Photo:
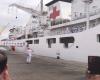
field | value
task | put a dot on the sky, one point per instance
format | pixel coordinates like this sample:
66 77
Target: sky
8 14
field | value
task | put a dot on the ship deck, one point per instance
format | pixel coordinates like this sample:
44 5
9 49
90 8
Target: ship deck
44 68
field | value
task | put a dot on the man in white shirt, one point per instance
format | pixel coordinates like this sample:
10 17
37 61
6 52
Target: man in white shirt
29 55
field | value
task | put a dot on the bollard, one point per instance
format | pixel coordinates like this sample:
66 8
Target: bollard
58 55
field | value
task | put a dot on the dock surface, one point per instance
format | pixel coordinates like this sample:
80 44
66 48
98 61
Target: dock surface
44 68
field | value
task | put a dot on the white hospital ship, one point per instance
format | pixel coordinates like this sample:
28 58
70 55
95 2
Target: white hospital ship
56 33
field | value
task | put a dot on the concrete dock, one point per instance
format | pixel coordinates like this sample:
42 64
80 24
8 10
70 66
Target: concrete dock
44 68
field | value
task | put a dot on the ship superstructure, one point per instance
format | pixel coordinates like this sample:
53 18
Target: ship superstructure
62 17
40 24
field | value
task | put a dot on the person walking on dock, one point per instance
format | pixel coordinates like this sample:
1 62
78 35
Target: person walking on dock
4 75
29 55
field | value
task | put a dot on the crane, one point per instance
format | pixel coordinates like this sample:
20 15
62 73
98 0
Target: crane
40 16
29 10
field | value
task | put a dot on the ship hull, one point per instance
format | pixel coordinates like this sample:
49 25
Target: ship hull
85 44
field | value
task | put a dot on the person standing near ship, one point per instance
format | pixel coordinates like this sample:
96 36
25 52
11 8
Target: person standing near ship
29 55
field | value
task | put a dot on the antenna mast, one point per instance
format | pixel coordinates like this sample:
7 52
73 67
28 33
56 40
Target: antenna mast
88 2
41 6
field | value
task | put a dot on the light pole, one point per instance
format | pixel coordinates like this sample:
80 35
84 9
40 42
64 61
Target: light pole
26 37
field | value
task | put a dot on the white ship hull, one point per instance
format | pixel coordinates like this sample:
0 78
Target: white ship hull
85 44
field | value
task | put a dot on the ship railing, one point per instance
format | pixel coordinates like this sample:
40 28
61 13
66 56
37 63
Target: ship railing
79 17
59 21
92 13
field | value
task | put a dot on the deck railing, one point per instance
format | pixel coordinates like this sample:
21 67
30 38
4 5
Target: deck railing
92 13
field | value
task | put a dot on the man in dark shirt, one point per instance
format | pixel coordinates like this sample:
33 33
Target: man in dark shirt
4 75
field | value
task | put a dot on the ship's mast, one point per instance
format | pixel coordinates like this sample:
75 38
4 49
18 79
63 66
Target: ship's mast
87 2
41 6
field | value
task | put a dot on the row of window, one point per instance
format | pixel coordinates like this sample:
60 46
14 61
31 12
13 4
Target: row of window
14 44
64 40
31 41
50 41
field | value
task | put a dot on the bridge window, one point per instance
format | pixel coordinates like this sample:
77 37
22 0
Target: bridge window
51 41
66 41
36 41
